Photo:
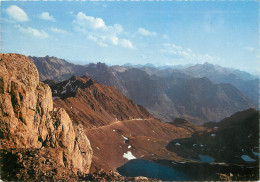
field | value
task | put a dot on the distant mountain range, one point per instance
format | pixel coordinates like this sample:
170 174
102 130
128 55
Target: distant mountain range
248 84
168 93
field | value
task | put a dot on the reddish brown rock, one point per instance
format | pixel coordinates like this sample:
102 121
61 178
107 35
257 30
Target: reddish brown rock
94 104
28 119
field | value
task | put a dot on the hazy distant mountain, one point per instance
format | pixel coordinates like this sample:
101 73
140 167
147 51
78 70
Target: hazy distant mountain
204 101
56 69
248 84
177 95
166 93
216 72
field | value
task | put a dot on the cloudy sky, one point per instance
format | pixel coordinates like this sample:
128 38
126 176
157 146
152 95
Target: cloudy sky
161 33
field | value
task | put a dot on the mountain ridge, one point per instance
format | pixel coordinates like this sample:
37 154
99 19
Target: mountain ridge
105 103
151 87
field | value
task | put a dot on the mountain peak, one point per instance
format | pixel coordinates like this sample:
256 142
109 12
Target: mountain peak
68 88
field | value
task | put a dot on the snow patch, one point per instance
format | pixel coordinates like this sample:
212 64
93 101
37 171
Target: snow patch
114 130
129 155
213 134
194 144
129 146
125 138
65 87
177 143
97 148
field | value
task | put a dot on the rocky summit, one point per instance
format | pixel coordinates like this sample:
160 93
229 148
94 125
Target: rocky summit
38 142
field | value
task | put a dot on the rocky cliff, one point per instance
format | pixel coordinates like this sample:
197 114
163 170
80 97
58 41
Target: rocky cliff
31 127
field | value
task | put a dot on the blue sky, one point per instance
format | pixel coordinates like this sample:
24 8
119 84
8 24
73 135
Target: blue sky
161 33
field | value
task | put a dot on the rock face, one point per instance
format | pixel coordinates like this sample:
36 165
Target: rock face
29 121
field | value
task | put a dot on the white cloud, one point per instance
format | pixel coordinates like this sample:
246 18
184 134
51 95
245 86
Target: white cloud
89 22
57 30
145 32
126 43
95 39
99 32
17 13
249 48
186 54
32 31
114 40
46 16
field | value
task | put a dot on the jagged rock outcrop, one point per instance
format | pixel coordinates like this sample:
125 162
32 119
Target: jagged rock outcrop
29 121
